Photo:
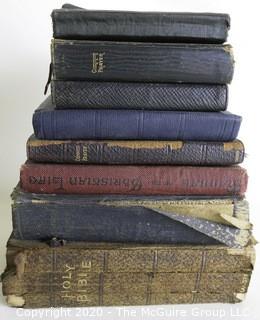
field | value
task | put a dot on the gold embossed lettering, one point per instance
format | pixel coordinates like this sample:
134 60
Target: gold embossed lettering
66 285
68 268
68 296
86 264
98 62
85 153
76 278
82 282
77 158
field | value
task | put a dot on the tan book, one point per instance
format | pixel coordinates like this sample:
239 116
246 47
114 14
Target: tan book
75 274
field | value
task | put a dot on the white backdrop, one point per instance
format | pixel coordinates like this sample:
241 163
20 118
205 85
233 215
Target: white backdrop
26 31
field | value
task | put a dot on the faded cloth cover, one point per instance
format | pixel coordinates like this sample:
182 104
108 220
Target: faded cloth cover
143 219
49 123
135 152
135 180
72 22
141 62
83 274
132 95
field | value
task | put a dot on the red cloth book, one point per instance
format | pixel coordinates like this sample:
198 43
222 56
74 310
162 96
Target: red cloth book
135 180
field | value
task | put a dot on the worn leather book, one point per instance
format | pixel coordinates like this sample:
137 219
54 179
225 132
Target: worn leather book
132 95
71 22
52 124
135 180
141 62
81 274
143 219
135 152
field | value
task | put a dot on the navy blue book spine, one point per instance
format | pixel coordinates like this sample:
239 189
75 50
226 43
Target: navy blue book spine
49 123
77 218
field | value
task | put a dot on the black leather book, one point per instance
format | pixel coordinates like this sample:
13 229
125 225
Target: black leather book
71 22
132 95
141 62
200 153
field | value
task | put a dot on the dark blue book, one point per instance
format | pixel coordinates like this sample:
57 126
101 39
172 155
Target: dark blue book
140 219
50 123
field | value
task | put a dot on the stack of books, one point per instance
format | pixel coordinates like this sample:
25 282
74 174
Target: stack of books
132 193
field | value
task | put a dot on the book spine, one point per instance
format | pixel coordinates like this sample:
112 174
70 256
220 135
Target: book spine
52 124
120 223
140 26
74 279
131 95
136 180
135 152
126 61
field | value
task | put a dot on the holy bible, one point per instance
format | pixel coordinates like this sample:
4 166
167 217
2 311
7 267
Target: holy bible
103 274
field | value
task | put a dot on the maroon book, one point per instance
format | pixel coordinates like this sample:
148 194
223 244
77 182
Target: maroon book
135 180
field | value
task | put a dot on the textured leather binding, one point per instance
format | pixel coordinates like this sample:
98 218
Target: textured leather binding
135 152
130 95
141 62
72 22
49 123
82 274
135 180
140 219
